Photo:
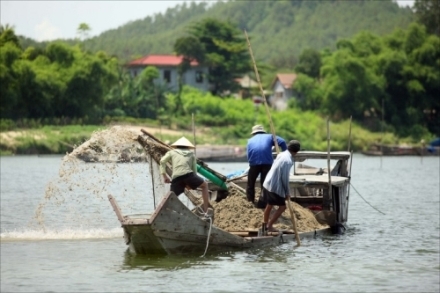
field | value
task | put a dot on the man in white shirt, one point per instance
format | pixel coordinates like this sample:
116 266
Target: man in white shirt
276 188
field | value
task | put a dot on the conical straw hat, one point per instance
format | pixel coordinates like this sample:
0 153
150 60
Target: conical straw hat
183 142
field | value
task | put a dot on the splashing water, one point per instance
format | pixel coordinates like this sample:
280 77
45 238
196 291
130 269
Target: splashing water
77 199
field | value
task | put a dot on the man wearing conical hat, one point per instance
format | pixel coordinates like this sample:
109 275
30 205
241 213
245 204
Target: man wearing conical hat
184 170
259 155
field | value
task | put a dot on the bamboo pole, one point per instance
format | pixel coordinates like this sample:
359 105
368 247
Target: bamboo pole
272 129
274 137
349 178
292 217
328 160
152 182
349 135
381 139
351 162
194 133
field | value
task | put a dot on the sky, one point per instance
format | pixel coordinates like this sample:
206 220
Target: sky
49 20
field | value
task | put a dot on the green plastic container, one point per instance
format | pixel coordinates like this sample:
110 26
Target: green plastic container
214 179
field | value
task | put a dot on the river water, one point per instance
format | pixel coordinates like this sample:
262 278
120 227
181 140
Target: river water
60 234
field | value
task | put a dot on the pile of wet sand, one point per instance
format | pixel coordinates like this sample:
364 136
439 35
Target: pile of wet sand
236 213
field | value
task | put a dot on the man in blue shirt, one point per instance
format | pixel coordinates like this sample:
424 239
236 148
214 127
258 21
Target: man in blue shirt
259 155
276 187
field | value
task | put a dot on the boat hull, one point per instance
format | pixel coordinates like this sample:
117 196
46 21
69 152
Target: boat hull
173 229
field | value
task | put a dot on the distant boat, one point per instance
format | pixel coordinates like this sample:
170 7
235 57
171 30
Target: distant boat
432 149
402 150
390 150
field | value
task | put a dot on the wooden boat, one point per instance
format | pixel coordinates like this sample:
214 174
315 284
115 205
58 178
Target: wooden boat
174 229
311 186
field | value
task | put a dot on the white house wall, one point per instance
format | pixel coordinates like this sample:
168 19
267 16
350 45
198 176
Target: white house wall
173 84
189 78
280 96
135 71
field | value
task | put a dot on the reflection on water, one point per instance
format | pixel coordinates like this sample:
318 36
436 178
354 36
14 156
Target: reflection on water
282 253
166 262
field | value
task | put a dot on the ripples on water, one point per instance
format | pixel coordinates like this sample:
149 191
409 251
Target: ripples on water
81 248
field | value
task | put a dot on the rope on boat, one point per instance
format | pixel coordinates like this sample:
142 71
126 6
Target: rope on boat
366 200
206 216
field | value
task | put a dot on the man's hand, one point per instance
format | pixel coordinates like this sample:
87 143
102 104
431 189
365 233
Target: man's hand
166 179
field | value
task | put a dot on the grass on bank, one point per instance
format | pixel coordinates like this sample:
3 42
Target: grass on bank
45 140
52 139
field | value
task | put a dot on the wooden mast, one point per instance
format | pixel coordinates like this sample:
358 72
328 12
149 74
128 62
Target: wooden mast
274 137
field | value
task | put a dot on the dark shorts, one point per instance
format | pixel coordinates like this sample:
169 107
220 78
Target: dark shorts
191 179
273 199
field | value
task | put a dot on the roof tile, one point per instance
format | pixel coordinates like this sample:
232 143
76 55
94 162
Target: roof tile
159 60
286 79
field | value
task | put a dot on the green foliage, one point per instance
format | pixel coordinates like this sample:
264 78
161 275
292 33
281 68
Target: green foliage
7 35
311 93
191 48
9 85
309 63
60 53
57 81
395 76
137 97
83 30
427 13
6 124
212 111
230 120
350 85
220 46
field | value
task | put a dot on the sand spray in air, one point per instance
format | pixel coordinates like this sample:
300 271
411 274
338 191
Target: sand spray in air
110 162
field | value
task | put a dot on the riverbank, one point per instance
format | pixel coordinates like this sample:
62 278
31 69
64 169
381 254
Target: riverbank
210 141
62 140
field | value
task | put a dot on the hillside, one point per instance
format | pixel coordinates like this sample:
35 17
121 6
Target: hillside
280 30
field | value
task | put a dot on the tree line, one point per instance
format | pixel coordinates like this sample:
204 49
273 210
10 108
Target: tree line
368 76
395 77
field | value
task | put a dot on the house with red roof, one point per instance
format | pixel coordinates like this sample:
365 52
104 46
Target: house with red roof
167 65
282 90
